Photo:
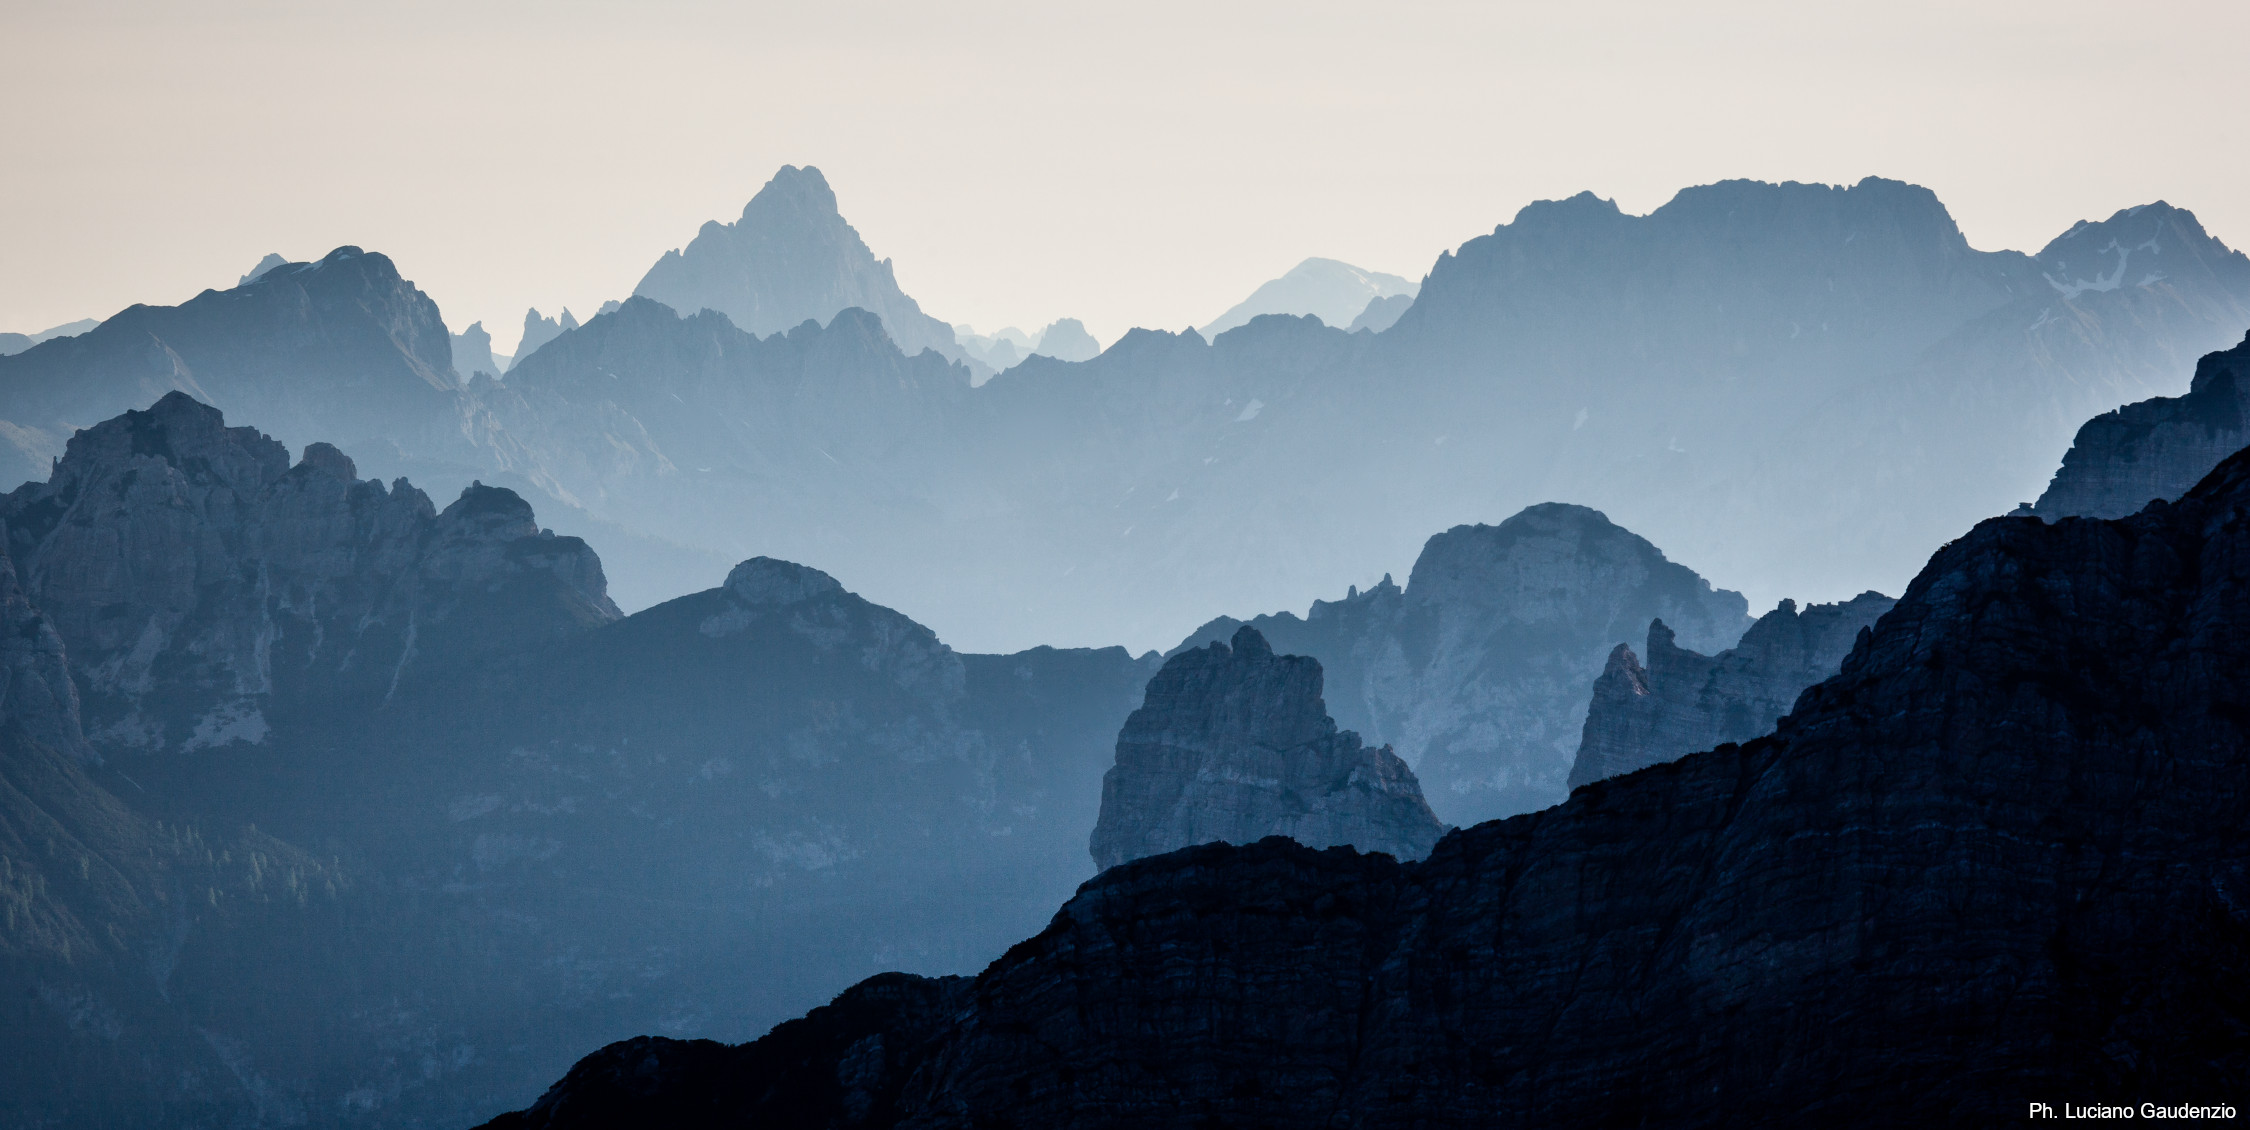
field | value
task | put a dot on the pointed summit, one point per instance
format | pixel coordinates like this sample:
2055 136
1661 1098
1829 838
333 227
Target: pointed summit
791 257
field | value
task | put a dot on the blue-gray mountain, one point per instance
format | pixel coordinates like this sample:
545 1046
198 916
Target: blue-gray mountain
790 258
1684 701
2000 854
324 806
1233 744
1792 386
1335 292
1477 672
342 350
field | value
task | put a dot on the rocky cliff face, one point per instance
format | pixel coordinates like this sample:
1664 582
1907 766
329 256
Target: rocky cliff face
2007 835
340 350
538 824
2157 448
208 590
1477 671
472 354
1683 701
790 258
1233 744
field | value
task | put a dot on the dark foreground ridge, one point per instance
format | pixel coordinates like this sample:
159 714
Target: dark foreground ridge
2001 855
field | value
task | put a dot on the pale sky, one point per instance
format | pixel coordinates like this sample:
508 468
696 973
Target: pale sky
1128 164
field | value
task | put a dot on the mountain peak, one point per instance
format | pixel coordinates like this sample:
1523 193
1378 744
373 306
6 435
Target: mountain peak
771 581
1235 743
799 188
790 258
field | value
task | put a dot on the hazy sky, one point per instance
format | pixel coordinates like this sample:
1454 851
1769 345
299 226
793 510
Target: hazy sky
1129 164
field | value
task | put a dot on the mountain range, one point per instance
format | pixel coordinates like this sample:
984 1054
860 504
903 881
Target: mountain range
328 804
1998 855
1789 386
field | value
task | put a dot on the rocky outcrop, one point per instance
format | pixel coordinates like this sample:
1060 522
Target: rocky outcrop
1477 672
789 258
472 354
1683 701
2156 448
2008 834
1233 744
340 350
538 330
208 590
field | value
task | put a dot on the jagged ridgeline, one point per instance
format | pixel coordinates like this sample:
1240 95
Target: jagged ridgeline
2000 854
1798 388
320 804
1477 672
1683 701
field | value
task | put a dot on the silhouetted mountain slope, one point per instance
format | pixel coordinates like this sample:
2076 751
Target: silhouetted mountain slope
11 343
2157 448
789 259
342 349
1380 313
1232 743
1998 855
1477 672
1684 701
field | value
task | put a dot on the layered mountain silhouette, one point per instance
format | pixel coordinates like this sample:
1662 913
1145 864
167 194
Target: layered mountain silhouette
1334 291
790 258
324 805
1997 855
11 343
1682 701
340 350
1477 672
1792 387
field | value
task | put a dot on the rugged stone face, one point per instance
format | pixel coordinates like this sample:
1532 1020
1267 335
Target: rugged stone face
538 330
1478 671
1234 745
790 258
340 350
472 354
1684 701
2007 835
208 590
2157 448
558 824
